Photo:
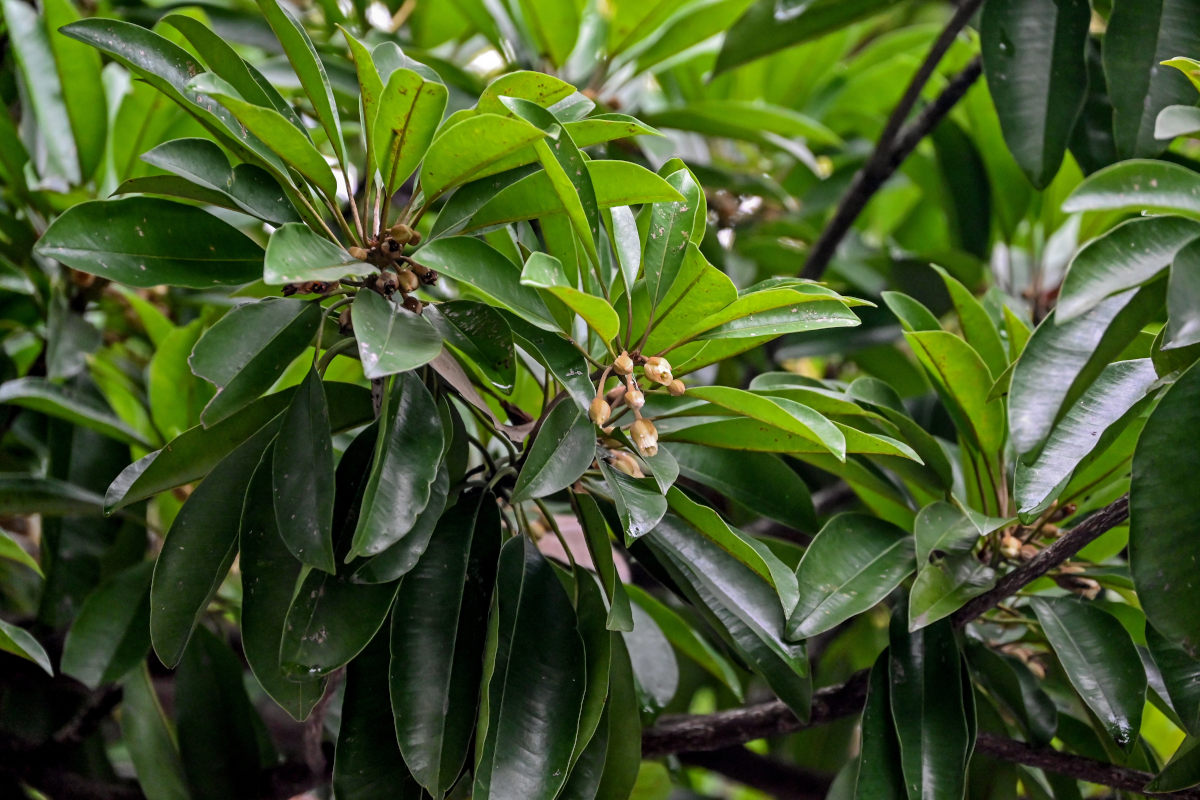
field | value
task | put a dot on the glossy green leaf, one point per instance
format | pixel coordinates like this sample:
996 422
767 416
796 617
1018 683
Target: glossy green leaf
20 642
796 314
1181 772
215 721
620 734
669 232
1033 56
942 529
880 776
743 119
598 642
111 635
1139 185
853 562
1183 298
51 399
78 68
963 382
1162 513
406 461
534 678
1117 389
465 151
759 481
144 241
565 362
778 412
913 316
1180 673
24 494
1127 256
1100 660
410 110
480 333
944 585
489 273
249 348
655 668
1143 35
295 253
926 696
640 504
600 547
367 764
151 740
1012 684
545 272
309 69
200 547
564 448
302 476
391 339
269 576
397 560
977 326
438 631
536 87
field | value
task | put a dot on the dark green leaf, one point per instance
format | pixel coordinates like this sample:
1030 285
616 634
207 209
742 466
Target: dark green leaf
1100 660
564 448
295 253
330 621
943 529
111 635
1183 298
20 642
24 494
303 476
944 585
391 339
640 504
150 739
1139 185
1181 772
600 547
761 482
1012 684
397 560
479 332
687 640
489 273
1181 676
51 399
880 775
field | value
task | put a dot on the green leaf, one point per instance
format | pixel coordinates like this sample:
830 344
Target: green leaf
269 577
295 253
1033 56
852 563
249 348
565 362
1181 772
12 551
407 455
778 412
1183 298
977 326
391 339
944 585
788 312
880 776
927 702
761 482
21 493
620 735
913 316
1190 67
302 476
600 547
545 272
564 448
668 234
20 642
366 761
655 669
743 119
480 333
1180 675
176 395
1143 35
369 83
78 68
1175 121
410 110
1162 512
438 631
216 723
1100 661
1141 186
942 529
111 634
629 21
246 187
1127 256
200 547
534 678
769 26
1118 388
397 560
590 613
489 273
148 734
330 621
304 59
145 242
1061 360
466 150
640 504
554 25
51 399
536 87
690 25
739 602
963 382
1011 683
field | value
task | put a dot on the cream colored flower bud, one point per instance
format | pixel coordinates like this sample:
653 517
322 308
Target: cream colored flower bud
408 280
645 437
627 464
658 369
600 411
623 365
676 388
358 253
1010 546
635 399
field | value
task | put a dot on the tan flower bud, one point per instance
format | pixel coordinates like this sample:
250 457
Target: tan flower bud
600 411
626 463
635 399
1028 551
408 281
645 437
623 365
357 252
676 388
1010 546
401 233
658 369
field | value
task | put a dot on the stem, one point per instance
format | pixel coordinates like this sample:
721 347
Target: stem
337 349
553 523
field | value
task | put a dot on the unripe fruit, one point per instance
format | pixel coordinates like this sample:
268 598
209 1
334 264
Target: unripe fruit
600 411
658 369
676 388
623 365
645 437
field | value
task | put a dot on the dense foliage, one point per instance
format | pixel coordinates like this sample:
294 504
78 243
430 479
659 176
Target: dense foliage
808 403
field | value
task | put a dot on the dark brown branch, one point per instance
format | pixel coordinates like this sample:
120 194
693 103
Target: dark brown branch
897 140
1071 543
1078 767
777 778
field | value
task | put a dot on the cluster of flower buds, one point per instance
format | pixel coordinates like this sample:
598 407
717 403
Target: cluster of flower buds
397 272
1069 578
310 287
657 372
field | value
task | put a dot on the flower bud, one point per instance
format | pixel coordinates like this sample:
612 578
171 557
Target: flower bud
408 281
627 464
1010 546
623 365
357 252
635 399
676 388
658 369
645 437
1028 551
600 411
401 233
